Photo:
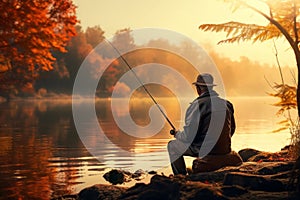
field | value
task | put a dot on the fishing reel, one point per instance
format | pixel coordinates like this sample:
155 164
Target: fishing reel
172 131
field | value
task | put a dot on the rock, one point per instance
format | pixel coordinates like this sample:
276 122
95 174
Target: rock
233 190
116 176
101 192
215 162
160 187
254 182
270 157
67 197
205 193
166 188
133 192
275 168
287 147
200 190
152 172
269 178
138 174
218 175
248 153
210 177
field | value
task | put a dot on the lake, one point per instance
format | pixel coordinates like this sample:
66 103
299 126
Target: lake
43 156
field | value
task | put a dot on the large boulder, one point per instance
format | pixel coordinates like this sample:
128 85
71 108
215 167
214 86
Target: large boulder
214 162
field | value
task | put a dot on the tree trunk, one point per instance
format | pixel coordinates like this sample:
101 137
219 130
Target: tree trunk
297 54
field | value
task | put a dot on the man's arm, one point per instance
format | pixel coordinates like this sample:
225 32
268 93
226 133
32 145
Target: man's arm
190 128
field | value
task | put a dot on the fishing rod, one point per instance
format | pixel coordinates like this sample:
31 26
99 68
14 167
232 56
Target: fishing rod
146 90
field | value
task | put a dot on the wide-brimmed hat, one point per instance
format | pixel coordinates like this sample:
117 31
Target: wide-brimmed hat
205 80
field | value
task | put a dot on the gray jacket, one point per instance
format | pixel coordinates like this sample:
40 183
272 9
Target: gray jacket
209 115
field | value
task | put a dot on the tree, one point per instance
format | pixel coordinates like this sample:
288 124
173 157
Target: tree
283 18
94 35
30 31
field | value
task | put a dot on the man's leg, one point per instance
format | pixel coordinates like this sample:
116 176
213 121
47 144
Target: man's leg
177 150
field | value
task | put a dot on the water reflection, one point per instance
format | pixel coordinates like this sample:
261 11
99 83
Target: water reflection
139 112
39 146
42 156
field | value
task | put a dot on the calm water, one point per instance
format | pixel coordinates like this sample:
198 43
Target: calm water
42 155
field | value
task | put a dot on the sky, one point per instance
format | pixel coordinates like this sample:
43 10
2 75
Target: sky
184 17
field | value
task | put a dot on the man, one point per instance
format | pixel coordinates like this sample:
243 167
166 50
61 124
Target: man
209 126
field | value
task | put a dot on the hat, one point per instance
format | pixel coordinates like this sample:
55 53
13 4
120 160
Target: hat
205 80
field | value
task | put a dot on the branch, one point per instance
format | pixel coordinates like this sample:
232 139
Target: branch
278 63
295 24
278 25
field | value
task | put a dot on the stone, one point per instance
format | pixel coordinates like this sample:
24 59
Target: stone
233 190
152 172
217 176
215 162
206 193
248 153
101 192
254 182
116 177
275 168
138 174
160 187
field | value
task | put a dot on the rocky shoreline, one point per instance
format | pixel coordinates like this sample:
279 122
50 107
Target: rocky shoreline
262 175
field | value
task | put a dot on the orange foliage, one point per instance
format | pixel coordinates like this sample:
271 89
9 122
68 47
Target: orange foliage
30 30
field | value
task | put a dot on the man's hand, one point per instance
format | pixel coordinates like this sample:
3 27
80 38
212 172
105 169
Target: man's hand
173 132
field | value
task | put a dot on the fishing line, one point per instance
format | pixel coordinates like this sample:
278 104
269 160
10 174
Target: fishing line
146 90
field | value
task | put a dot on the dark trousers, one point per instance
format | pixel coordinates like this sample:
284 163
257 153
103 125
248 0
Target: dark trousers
177 150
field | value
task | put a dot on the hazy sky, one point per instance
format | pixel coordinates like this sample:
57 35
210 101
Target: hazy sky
182 16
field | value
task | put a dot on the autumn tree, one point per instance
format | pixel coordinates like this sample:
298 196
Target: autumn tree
283 21
30 31
94 35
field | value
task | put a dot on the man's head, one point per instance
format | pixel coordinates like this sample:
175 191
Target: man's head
204 82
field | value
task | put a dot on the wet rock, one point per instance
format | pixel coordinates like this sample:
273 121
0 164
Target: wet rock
254 182
152 172
101 192
138 174
248 153
116 176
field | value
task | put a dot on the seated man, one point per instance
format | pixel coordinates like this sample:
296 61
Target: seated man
209 126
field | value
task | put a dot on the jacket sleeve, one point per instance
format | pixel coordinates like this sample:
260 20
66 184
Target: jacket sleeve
190 128
233 125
